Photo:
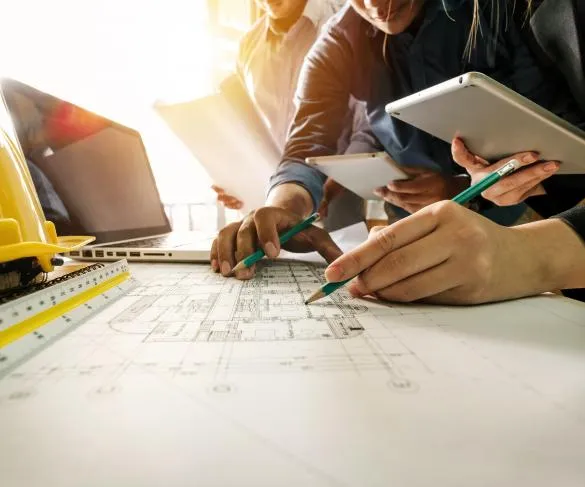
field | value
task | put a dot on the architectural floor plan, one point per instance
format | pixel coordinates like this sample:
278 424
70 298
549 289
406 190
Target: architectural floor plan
199 306
194 379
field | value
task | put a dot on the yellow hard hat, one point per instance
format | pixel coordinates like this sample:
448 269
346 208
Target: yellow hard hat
24 232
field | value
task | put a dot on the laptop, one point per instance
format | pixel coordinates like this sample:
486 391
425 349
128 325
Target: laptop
93 177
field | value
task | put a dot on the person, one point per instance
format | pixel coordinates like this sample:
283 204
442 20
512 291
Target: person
385 67
477 261
269 62
377 51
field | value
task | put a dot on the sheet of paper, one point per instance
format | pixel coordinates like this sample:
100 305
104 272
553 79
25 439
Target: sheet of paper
193 379
230 141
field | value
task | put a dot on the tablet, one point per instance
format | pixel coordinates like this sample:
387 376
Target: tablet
493 120
360 173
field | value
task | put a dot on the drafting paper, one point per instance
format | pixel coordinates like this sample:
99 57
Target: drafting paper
194 379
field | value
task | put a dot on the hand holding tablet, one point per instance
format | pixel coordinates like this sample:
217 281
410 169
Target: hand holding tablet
360 173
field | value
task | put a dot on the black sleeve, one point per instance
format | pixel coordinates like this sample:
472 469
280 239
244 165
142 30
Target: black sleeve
563 192
575 218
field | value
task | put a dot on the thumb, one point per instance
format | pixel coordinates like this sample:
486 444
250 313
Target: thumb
536 191
331 189
464 158
416 171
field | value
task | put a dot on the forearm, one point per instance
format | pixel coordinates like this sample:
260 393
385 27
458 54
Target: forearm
556 254
292 197
322 96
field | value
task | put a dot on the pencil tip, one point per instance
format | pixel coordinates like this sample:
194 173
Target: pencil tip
315 296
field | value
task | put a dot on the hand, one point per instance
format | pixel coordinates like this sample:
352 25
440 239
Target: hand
448 254
227 200
425 188
261 229
512 189
331 190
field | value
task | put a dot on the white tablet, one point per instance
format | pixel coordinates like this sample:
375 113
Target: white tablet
360 173
493 120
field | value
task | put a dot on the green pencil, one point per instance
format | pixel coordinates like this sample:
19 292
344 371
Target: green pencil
285 237
462 198
478 188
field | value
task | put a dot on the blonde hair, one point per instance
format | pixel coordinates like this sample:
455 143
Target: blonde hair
476 24
495 18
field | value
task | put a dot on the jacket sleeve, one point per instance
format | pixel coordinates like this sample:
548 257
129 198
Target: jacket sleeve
321 112
575 218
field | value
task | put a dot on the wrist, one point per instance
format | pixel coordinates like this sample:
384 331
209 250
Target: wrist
291 197
556 253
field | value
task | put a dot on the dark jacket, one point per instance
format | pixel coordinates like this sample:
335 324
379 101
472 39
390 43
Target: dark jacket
348 59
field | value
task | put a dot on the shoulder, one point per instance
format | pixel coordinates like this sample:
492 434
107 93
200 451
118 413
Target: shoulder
344 28
345 21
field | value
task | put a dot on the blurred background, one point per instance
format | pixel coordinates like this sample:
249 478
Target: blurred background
120 57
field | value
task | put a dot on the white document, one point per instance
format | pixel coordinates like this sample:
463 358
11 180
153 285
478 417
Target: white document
196 380
231 143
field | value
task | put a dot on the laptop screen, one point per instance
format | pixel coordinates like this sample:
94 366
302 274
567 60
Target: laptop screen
92 175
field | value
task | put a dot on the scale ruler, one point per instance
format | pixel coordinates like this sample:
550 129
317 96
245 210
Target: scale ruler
30 322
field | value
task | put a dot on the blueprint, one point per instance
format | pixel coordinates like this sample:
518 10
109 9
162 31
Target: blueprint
191 379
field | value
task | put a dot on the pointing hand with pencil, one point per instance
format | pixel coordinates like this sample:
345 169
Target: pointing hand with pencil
263 233
447 254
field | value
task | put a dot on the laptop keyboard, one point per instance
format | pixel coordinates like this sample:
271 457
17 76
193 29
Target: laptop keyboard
164 241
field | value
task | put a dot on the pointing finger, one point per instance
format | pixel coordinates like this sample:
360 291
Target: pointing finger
385 241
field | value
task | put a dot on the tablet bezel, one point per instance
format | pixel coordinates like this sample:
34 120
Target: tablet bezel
553 126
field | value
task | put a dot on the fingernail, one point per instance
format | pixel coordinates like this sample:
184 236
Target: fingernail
214 265
270 250
225 268
528 158
378 192
334 273
551 166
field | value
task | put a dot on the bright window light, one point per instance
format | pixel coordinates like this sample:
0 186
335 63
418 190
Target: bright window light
117 58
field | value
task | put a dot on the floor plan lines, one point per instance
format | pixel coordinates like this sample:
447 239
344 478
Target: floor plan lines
199 306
